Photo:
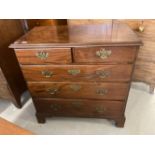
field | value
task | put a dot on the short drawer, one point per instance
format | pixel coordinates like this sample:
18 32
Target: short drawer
78 73
105 54
110 91
80 108
44 56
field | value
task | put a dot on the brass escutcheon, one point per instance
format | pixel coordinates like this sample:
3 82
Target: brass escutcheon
52 91
102 73
100 109
102 91
42 55
47 74
103 53
73 71
75 87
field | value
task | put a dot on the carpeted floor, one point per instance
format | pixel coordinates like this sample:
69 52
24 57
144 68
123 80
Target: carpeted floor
140 117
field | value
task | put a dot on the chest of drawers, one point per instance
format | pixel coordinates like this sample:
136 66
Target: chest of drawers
79 71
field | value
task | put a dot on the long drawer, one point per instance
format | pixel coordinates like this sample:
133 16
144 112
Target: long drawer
79 73
105 54
81 108
110 91
44 56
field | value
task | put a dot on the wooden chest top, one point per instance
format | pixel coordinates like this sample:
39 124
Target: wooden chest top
78 35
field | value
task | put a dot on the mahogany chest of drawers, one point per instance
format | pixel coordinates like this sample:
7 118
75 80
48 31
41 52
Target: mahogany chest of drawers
79 71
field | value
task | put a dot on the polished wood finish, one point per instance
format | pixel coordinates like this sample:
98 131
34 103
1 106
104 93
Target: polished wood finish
144 68
8 128
113 91
99 73
79 108
95 50
12 81
31 23
144 65
55 56
132 23
88 21
72 36
118 55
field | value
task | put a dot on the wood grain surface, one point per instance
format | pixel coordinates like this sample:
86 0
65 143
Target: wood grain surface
85 73
114 91
80 108
77 35
144 69
118 55
88 21
54 56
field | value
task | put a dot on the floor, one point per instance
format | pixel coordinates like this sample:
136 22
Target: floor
140 114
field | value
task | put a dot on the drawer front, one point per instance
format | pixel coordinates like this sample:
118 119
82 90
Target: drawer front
77 73
81 108
111 91
44 56
105 54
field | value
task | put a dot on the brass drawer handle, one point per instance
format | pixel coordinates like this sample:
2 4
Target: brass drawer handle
73 71
141 28
47 74
102 91
102 74
77 104
42 55
103 53
52 91
100 110
55 107
75 87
